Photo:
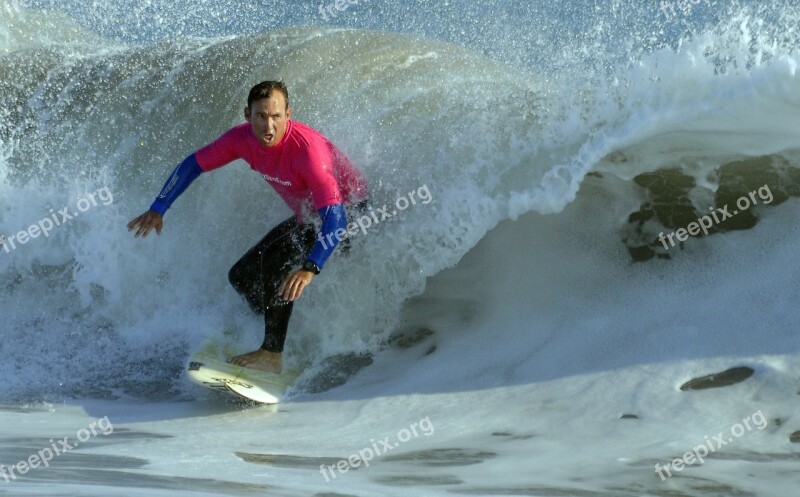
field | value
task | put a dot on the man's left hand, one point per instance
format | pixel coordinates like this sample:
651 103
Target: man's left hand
292 287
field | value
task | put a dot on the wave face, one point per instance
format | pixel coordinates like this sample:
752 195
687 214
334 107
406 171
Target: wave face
673 114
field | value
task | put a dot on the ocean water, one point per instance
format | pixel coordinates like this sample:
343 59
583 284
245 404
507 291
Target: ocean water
586 206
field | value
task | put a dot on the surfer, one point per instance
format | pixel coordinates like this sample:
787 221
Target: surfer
310 174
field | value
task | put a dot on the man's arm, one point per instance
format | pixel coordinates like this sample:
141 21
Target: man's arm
333 219
180 179
216 154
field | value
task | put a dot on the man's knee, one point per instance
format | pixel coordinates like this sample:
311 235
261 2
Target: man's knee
236 276
233 276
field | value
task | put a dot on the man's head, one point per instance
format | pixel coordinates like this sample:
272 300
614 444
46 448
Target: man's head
268 112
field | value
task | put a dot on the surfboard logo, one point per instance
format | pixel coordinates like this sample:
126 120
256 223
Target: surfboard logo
228 381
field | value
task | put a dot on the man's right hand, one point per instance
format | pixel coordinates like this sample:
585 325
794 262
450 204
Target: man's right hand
145 223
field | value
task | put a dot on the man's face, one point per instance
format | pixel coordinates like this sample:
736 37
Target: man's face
268 118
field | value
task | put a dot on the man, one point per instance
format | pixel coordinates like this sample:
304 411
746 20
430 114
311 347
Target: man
309 173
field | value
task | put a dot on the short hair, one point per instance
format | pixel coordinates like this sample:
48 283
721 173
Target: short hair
264 89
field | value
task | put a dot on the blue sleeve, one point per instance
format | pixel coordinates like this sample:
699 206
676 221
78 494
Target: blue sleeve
334 218
180 179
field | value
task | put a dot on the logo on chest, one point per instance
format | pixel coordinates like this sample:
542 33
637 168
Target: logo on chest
273 179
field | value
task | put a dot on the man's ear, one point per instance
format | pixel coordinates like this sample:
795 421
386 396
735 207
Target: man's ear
247 114
288 113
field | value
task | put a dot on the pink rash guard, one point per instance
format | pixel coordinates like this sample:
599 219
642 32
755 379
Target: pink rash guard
306 169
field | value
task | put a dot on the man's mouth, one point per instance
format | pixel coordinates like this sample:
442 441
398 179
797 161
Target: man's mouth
268 137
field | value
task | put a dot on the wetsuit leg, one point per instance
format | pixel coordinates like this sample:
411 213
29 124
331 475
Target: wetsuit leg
260 272
245 275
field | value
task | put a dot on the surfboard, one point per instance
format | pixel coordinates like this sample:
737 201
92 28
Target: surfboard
208 367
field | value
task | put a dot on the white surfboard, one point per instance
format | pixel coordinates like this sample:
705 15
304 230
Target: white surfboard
208 367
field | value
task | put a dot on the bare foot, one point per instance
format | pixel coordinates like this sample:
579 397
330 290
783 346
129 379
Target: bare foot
262 360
